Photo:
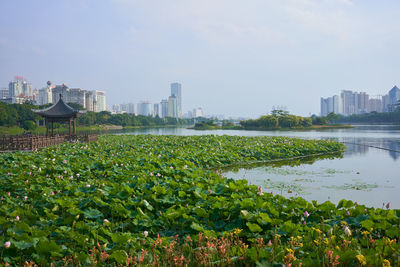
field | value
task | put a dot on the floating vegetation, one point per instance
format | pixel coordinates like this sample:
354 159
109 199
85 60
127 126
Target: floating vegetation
356 186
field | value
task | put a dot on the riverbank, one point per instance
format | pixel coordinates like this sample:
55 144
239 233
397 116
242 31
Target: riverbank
238 127
15 130
130 197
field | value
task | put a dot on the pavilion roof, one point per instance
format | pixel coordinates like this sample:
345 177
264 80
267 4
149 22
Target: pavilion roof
59 110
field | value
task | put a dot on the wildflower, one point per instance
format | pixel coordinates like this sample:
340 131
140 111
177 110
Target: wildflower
386 263
171 167
77 175
122 164
209 191
26 181
365 233
237 231
316 242
347 213
65 161
347 231
158 175
7 244
330 232
306 214
145 233
88 185
106 221
269 243
9 194
25 197
17 218
151 174
52 193
185 166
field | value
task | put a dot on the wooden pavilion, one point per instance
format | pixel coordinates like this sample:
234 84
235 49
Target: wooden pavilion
60 112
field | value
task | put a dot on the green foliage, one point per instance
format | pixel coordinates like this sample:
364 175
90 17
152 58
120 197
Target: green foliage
277 119
372 117
29 125
124 196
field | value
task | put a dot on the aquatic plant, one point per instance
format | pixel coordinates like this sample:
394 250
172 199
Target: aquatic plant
132 200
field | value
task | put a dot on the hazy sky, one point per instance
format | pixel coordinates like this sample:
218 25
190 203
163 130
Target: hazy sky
233 57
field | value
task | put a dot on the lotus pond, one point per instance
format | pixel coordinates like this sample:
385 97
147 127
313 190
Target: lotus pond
162 200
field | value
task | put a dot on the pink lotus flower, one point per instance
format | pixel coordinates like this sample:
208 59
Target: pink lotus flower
7 244
26 197
17 218
269 243
106 221
52 193
306 214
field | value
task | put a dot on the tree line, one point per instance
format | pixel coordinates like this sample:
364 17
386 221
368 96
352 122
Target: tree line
372 117
277 119
21 115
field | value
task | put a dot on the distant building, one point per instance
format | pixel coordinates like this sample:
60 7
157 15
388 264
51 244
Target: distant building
4 93
45 96
375 105
176 90
145 108
69 95
19 91
394 97
156 110
164 108
115 108
173 106
330 104
197 112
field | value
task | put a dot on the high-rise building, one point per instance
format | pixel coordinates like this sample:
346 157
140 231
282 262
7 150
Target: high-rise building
173 106
164 108
385 103
45 95
375 104
69 95
4 93
156 110
197 112
330 104
394 96
145 108
363 102
176 90
20 88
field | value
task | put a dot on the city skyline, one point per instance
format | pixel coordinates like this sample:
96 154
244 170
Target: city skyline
234 58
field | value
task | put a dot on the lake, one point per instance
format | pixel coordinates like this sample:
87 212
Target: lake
368 172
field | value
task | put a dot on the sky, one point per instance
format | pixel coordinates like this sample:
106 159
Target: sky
232 57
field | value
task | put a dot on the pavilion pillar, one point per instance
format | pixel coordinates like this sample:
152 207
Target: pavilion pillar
47 126
69 131
52 128
74 126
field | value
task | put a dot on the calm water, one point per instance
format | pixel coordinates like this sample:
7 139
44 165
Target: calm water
368 172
